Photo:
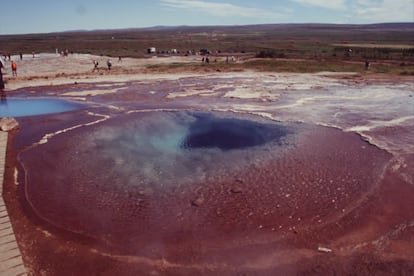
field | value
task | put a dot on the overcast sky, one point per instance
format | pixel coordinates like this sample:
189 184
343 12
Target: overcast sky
38 16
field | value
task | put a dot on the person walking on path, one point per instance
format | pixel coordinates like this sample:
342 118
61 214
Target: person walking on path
14 68
109 63
95 66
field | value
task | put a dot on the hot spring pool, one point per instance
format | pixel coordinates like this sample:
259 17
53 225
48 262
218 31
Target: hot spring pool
144 177
166 148
20 107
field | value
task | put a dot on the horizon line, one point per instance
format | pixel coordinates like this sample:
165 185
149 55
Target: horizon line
204 26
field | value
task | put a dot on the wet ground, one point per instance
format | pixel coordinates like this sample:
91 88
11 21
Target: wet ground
320 181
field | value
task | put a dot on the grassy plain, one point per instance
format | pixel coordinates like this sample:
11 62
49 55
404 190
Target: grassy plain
280 47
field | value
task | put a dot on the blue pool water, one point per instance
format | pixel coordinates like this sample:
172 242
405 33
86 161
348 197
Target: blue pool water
19 107
208 131
154 149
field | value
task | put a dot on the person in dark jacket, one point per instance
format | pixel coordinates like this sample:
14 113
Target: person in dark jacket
1 76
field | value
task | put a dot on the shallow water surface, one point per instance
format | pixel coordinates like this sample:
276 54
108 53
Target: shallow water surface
168 147
20 107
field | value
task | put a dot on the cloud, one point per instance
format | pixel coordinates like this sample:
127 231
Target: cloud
383 10
219 9
328 4
367 11
346 11
367 2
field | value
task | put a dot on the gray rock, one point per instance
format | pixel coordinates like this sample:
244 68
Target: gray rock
324 249
7 124
198 202
236 190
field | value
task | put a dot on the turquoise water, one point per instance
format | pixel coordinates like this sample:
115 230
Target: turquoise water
19 107
173 148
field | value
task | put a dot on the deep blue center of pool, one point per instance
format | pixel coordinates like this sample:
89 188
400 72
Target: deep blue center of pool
18 107
208 131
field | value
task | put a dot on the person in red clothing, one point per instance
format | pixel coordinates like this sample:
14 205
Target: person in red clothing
14 68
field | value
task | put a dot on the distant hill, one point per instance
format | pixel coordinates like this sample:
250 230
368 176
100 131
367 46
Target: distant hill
291 40
259 27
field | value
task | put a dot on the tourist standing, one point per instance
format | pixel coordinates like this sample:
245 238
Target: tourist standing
366 65
109 64
95 66
1 80
14 68
1 75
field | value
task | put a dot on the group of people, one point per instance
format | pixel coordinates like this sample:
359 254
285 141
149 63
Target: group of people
96 65
13 68
232 59
2 64
205 60
9 57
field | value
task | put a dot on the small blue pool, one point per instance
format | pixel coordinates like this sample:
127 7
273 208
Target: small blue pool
20 107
